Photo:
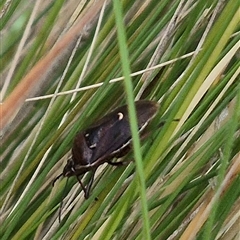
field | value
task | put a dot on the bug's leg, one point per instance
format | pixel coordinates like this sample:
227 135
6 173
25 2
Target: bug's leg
87 192
83 188
121 163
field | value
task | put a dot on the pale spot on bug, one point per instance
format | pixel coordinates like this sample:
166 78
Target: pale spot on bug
93 146
120 116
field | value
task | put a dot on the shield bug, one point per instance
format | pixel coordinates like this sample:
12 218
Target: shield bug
108 138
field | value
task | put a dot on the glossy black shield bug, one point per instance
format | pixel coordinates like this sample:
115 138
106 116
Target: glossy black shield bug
108 138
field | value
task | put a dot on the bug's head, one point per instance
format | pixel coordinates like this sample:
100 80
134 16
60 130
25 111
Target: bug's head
69 169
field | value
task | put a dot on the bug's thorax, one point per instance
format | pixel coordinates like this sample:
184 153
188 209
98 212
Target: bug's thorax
81 153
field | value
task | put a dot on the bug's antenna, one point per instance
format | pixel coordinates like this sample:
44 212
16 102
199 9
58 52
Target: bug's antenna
61 203
161 124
